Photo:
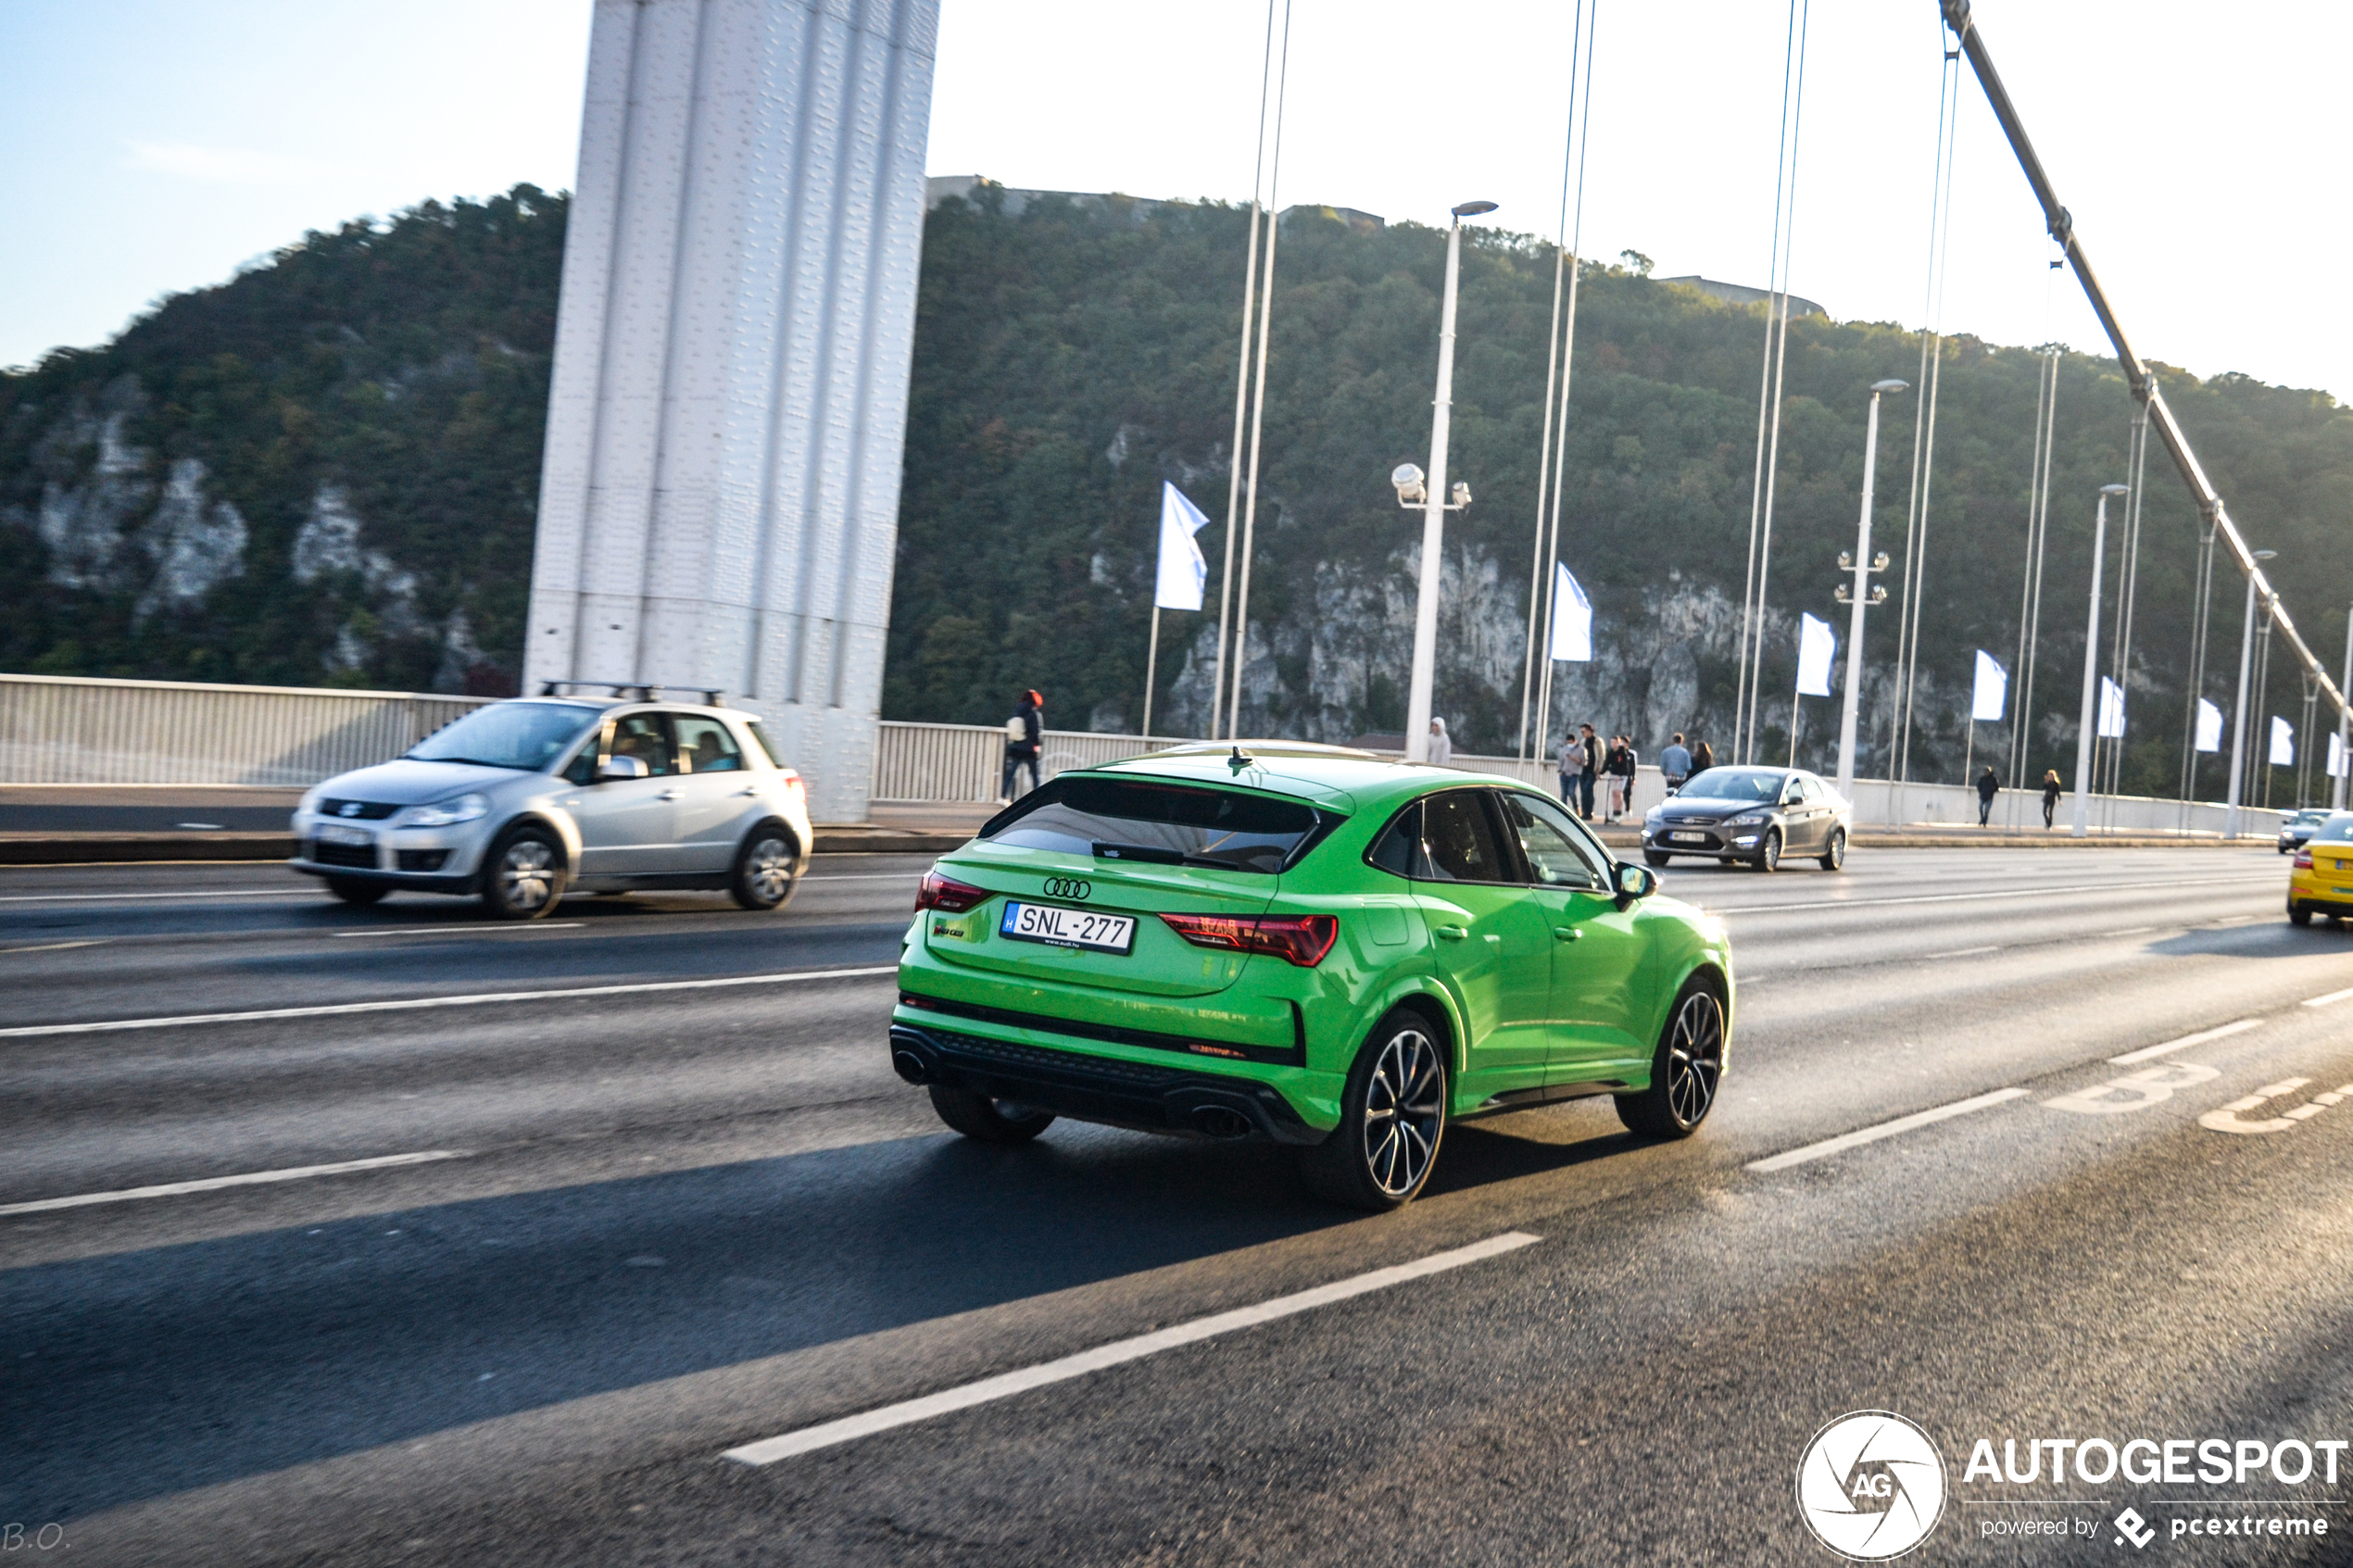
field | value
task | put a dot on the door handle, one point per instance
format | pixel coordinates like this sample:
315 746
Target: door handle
1451 932
667 795
1568 933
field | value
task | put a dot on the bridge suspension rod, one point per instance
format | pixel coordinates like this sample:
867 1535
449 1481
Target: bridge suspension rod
2062 227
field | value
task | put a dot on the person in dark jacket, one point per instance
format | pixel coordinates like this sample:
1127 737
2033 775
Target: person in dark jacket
2050 794
1589 765
1024 738
1987 787
1703 756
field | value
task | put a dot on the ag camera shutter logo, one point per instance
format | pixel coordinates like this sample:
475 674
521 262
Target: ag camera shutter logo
1871 1486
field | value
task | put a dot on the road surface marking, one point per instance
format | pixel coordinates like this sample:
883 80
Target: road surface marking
465 999
1845 1141
2140 1090
2226 1118
768 1450
2331 998
1832 905
466 930
119 897
1962 952
214 1183
2150 1053
2133 931
54 946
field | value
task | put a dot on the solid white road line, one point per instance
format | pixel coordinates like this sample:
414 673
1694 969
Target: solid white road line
213 1184
54 946
1845 1141
454 930
1829 905
302 893
413 1004
1962 953
768 1450
2150 1053
2333 997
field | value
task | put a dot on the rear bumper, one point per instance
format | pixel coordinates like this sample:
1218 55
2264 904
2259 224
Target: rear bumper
1144 1095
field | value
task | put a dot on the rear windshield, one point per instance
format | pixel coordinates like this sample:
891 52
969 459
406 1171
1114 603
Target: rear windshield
1735 784
2336 830
1166 824
532 736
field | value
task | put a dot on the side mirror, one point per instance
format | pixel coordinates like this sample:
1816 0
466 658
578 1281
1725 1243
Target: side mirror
1636 882
614 768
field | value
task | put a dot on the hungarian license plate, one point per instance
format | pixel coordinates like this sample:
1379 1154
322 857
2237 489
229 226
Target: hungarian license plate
334 832
1688 837
1068 928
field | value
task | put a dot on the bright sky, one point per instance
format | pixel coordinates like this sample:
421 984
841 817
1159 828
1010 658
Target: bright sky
153 144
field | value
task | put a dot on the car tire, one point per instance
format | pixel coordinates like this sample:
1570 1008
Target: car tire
978 1117
765 874
1769 854
1686 1070
2299 915
522 877
351 890
1653 858
1377 1160
1834 855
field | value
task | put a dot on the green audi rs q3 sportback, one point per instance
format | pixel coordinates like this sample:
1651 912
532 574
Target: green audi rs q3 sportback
1325 951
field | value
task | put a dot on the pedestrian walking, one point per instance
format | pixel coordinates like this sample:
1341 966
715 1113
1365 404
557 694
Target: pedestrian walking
1622 793
1441 747
1024 738
1702 758
1589 764
1572 759
2051 793
1987 787
1675 763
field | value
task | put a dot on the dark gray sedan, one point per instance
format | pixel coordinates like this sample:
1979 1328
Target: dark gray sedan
1753 814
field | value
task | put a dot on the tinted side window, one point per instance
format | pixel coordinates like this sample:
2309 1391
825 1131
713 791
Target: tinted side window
704 745
1395 850
1458 838
1558 853
1814 790
645 737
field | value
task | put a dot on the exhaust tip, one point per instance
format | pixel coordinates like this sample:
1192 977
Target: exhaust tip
910 1066
1222 1122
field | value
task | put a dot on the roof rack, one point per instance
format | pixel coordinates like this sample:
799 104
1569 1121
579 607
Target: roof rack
631 691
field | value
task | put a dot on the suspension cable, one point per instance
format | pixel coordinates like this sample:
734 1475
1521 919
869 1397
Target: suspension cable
1258 398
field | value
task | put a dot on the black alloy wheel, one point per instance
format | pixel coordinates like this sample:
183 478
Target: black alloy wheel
1686 1070
1835 853
764 875
1392 1119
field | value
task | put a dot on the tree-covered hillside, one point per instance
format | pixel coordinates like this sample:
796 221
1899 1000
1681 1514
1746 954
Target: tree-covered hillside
325 470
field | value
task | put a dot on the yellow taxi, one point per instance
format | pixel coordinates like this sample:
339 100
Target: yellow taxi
2321 882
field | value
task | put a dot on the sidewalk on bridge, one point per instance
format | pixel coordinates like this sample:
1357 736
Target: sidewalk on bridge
65 825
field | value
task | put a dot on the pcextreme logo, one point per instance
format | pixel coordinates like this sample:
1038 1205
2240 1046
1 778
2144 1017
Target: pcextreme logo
1871 1486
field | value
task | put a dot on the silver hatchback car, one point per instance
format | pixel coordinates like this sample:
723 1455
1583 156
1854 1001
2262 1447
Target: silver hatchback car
521 801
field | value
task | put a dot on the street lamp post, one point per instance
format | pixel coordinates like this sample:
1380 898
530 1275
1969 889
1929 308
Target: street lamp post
2343 756
2082 825
2238 713
1861 597
1435 501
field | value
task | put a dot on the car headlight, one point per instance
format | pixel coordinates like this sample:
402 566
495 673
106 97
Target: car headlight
1750 819
310 798
446 813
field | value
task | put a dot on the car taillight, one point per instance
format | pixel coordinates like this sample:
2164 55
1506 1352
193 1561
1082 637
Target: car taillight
944 892
794 786
2304 859
1299 939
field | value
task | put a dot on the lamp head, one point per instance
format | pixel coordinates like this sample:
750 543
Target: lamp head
1878 386
1460 494
2266 555
1472 210
2114 489
1407 478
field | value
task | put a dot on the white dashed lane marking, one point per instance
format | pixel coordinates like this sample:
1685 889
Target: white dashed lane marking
214 1183
2150 1053
1856 1139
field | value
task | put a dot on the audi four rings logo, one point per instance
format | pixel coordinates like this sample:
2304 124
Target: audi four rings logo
1871 1486
1066 887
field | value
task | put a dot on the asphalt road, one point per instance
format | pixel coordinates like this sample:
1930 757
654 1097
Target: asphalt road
665 1218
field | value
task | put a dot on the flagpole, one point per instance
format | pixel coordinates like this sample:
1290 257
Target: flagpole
1151 666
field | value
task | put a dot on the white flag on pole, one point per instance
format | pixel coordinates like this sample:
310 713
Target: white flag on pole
2283 743
2210 726
1992 688
2336 755
1816 649
1182 570
2111 710
1572 620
